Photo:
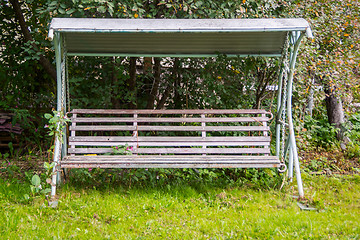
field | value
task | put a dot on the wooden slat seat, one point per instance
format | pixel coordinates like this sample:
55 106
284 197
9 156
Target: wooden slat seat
170 139
170 161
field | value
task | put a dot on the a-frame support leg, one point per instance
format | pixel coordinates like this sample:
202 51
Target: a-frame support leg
296 40
285 102
61 103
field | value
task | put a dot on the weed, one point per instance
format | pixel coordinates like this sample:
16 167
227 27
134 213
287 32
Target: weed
40 186
122 150
57 123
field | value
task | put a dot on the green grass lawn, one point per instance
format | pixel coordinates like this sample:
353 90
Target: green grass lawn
184 211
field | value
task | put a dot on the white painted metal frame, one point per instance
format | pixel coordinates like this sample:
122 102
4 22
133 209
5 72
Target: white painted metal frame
296 33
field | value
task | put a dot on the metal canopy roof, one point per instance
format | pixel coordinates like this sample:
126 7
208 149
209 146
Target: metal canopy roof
175 37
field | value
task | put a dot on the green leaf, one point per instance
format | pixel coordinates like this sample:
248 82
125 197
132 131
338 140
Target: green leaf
46 165
62 11
35 180
52 165
46 190
32 188
26 196
101 9
70 11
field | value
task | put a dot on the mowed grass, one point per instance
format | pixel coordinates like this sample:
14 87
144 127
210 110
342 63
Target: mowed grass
185 211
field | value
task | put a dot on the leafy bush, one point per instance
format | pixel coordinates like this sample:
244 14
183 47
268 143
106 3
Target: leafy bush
354 133
319 132
353 148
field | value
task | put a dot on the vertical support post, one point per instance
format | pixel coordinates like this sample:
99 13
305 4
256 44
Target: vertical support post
264 123
73 133
135 133
293 147
279 110
203 132
63 100
57 148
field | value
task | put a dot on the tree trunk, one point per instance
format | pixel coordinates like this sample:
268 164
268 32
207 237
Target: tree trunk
264 77
132 83
170 85
310 99
335 111
177 80
49 68
155 85
310 102
114 81
164 97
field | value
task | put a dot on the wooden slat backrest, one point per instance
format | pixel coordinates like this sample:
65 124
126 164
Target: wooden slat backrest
170 111
224 131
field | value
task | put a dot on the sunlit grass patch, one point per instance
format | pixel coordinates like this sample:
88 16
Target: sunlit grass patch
185 211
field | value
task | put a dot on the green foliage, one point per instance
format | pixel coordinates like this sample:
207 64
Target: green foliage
37 185
319 132
331 58
122 150
353 148
354 127
6 167
222 82
57 123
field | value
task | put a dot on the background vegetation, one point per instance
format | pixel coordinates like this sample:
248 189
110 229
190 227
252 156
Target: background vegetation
327 77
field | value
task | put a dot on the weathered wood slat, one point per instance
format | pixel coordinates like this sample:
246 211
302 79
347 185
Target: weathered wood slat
170 111
175 150
169 165
168 144
166 119
167 128
170 157
168 139
200 161
197 161
103 128
191 161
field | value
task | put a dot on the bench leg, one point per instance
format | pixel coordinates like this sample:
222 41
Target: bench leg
55 175
291 165
53 185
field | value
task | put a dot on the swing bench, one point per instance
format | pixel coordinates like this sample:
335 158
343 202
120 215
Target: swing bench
192 148
174 138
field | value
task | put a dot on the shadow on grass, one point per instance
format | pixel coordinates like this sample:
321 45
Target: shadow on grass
185 182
